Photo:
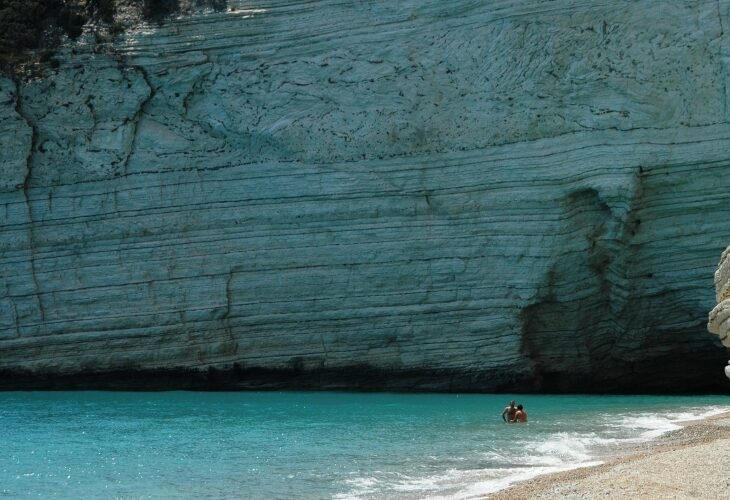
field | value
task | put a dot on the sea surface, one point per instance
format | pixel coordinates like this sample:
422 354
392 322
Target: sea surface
310 444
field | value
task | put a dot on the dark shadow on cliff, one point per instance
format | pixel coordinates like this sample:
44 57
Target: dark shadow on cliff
32 30
593 326
568 333
650 378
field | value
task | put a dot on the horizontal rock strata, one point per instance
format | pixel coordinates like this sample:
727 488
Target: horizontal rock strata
401 195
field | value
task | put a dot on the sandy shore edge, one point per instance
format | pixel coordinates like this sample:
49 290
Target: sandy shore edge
691 462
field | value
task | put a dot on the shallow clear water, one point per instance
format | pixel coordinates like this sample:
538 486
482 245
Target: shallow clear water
309 444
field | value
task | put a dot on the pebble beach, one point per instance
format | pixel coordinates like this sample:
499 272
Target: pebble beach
691 462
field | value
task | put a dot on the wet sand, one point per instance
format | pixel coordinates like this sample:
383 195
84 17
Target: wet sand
691 462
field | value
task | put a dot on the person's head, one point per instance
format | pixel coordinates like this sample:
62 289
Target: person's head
512 404
519 407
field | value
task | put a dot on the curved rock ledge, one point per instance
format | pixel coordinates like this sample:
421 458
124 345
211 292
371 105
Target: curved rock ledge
526 195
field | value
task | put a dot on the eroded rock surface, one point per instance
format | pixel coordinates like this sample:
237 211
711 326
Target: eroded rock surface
406 195
720 314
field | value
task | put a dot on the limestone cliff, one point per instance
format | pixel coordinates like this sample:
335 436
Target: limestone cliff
511 195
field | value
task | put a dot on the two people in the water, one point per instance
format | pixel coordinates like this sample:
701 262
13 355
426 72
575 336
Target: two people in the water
512 414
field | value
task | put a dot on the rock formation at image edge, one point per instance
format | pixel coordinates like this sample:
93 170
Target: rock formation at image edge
719 323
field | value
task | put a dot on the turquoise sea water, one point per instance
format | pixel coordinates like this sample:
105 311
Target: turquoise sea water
309 444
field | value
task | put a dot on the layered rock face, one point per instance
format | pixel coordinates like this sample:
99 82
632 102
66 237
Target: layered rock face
512 195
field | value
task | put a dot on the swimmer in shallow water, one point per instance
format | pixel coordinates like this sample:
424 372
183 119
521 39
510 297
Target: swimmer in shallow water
508 414
520 415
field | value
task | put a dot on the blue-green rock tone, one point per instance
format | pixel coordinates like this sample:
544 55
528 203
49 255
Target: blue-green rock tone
457 196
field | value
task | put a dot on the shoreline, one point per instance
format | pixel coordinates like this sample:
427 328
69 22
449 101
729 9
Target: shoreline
685 463
358 377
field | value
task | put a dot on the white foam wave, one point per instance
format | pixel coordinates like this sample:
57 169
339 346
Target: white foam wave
565 448
702 413
481 488
654 424
361 487
453 484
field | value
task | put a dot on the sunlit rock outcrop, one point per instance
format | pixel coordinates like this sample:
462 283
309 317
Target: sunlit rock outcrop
719 316
404 195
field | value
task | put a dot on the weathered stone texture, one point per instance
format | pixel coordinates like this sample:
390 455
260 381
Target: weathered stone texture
719 316
494 195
